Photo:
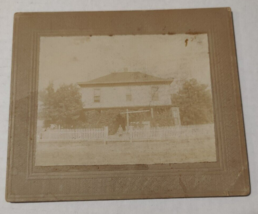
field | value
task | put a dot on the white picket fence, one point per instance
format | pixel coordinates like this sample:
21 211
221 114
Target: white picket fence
133 134
173 132
75 134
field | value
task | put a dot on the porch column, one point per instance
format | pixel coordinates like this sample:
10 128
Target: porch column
152 116
176 115
127 119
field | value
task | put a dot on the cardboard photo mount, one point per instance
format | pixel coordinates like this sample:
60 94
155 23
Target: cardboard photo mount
228 176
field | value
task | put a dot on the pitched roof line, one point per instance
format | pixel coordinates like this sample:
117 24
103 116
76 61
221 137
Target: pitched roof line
125 78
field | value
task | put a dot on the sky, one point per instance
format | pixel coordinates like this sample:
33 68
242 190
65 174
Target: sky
75 59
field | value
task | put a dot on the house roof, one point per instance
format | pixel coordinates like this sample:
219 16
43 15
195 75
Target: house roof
125 78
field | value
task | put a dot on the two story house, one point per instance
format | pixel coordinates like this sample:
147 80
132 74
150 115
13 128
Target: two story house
129 91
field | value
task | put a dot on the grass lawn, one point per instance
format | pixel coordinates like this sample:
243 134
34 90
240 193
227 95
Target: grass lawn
116 153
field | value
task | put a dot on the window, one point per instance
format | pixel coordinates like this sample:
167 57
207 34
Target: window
96 95
128 94
155 93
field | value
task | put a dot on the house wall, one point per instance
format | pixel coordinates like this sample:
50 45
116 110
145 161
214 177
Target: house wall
116 96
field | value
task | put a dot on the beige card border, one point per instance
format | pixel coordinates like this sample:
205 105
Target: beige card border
228 176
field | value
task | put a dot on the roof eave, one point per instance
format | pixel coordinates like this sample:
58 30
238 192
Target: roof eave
110 84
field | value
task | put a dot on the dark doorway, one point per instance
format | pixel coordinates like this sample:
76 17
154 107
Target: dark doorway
118 120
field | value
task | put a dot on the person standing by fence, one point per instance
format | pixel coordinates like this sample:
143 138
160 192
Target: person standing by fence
120 131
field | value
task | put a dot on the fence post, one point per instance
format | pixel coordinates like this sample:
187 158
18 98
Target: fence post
105 134
131 133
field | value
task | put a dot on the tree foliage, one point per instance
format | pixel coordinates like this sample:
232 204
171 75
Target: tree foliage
195 103
62 107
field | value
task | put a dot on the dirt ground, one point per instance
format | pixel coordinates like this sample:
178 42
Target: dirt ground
116 153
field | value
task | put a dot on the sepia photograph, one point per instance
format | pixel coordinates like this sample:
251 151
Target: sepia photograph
107 105
124 99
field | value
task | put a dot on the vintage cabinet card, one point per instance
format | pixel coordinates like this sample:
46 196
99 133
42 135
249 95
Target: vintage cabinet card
125 105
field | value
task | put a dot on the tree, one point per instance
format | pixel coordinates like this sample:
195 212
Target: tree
195 103
62 107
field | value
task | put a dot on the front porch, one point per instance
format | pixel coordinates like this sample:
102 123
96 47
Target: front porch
119 119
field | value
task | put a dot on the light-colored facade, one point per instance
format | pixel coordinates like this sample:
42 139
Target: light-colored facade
126 96
129 90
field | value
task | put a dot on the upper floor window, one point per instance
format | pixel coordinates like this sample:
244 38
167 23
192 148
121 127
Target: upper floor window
154 93
96 95
128 94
